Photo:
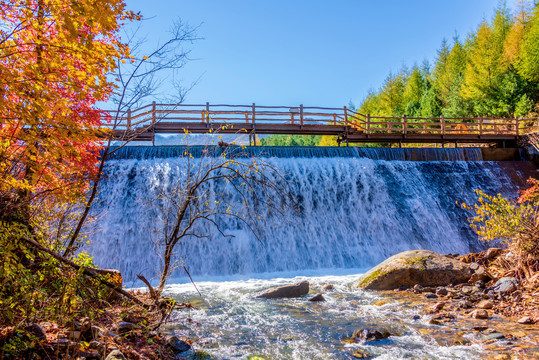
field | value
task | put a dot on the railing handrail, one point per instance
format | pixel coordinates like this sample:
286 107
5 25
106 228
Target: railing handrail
313 115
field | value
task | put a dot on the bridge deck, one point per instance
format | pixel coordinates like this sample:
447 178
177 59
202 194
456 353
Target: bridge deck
347 125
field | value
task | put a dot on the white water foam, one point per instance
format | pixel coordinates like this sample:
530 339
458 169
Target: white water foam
354 212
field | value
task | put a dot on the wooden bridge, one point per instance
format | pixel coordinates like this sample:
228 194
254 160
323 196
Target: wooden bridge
349 126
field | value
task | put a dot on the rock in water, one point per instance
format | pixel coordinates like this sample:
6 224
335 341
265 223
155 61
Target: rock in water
480 314
423 267
317 298
287 291
370 334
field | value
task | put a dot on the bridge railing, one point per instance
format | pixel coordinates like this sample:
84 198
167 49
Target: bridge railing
229 114
441 126
303 116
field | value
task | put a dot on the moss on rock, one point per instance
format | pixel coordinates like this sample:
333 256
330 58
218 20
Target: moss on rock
423 267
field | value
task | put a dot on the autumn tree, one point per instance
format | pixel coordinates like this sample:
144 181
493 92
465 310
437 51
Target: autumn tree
55 56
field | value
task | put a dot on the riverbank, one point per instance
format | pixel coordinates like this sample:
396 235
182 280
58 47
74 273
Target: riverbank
498 306
228 321
121 330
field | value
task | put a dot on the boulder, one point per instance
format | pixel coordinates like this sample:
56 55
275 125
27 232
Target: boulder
287 291
422 267
505 285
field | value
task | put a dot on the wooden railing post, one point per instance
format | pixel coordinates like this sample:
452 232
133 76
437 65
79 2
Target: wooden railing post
517 132
368 124
345 116
128 119
404 125
480 127
207 112
442 122
253 116
153 114
301 115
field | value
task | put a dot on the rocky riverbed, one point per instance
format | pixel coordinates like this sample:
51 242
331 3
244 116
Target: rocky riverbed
493 315
486 313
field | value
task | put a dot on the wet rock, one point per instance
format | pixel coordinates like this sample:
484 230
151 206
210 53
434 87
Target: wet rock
469 290
441 318
37 331
480 314
416 317
459 341
525 320
418 288
328 287
115 355
480 328
421 267
287 291
493 336
361 354
317 298
370 334
437 307
444 316
430 295
177 345
125 326
464 304
441 291
474 266
505 285
485 304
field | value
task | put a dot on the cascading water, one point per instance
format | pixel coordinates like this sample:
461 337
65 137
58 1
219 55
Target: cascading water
356 208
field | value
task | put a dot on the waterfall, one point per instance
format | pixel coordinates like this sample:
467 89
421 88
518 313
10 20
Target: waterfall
357 206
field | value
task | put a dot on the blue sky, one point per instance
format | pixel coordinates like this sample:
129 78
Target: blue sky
318 53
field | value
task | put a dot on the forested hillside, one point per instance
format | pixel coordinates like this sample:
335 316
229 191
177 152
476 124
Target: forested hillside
494 71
